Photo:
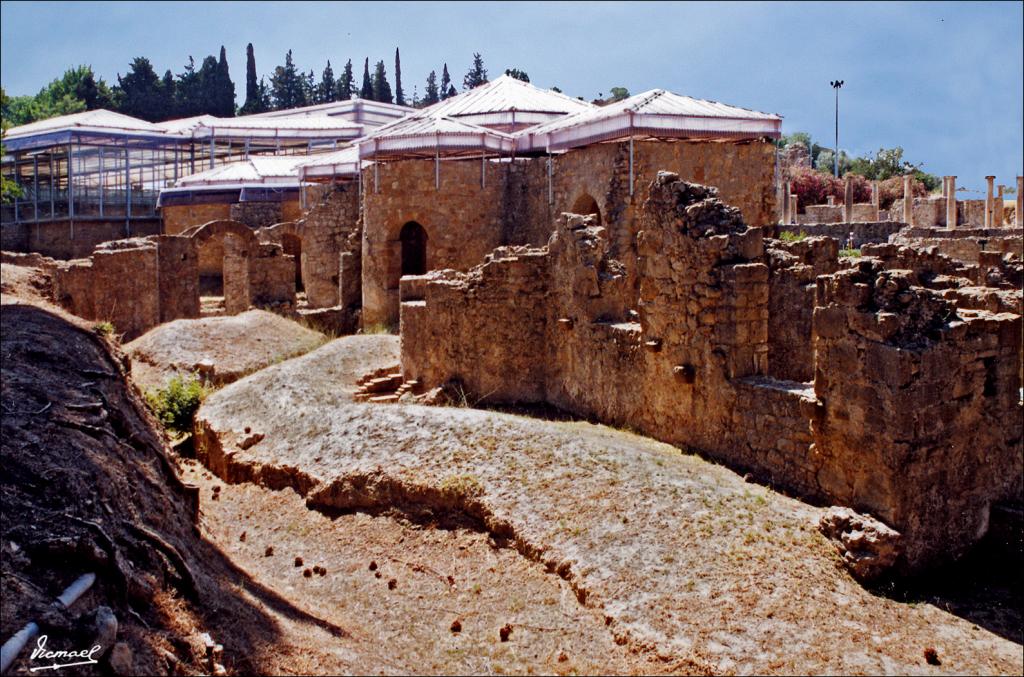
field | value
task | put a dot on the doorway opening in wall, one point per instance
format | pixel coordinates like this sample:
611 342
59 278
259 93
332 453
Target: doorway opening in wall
292 246
414 249
586 205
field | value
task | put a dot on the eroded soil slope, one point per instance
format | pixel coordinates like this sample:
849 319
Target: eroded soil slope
230 347
684 559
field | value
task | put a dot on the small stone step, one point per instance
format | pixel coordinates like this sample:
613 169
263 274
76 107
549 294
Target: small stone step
383 384
384 399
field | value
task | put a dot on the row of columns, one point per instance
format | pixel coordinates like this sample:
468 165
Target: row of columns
993 214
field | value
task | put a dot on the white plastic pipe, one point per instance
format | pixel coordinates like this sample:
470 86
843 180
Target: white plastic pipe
13 646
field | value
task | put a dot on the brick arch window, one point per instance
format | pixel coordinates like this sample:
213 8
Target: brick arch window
414 249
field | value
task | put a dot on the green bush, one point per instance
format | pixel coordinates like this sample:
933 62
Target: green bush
849 253
790 236
177 402
104 328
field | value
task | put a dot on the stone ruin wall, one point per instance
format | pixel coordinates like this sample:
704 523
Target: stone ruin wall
179 218
691 365
139 283
135 284
63 240
465 220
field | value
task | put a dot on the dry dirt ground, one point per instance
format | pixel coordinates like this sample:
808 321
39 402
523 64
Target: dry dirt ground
687 563
234 345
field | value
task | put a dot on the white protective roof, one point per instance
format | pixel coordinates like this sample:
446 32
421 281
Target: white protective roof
361 111
430 133
302 127
105 121
657 113
508 104
256 170
184 125
340 163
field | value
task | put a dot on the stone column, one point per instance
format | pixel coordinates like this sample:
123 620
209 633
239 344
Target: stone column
785 204
831 200
945 186
997 215
988 201
876 199
848 200
908 200
792 208
951 202
1020 201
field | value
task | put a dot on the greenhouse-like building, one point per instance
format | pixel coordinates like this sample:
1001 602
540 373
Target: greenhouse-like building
96 176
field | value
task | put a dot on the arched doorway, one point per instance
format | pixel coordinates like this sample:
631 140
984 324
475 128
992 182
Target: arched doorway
292 245
414 249
586 205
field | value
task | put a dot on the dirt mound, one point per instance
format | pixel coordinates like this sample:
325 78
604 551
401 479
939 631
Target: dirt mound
221 348
24 279
87 485
684 558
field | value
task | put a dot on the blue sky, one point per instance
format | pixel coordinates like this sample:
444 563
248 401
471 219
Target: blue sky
944 80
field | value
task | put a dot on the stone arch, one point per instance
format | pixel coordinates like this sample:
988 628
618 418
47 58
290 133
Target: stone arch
209 240
586 204
413 248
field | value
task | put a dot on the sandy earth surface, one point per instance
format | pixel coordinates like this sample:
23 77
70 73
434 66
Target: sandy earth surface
687 563
234 345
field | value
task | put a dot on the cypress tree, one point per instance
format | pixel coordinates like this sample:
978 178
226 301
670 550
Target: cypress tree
252 87
167 100
477 74
399 94
209 94
345 83
225 95
366 91
381 88
430 95
446 83
188 91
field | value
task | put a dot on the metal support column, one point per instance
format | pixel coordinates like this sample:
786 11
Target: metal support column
53 186
127 184
213 155
71 192
35 187
102 184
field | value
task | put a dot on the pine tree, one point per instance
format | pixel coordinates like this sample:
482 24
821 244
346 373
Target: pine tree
140 88
366 91
451 92
252 86
345 83
399 94
430 95
477 74
286 85
188 91
446 82
225 89
328 87
381 88
517 74
308 88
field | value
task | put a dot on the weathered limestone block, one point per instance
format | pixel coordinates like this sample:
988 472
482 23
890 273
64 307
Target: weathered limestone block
868 547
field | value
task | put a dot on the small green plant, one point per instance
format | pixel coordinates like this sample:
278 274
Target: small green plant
789 236
104 328
176 403
849 253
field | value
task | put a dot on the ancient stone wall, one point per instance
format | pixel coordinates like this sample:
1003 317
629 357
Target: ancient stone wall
178 218
516 203
462 219
687 359
257 275
135 284
329 230
919 421
794 268
257 214
863 232
63 239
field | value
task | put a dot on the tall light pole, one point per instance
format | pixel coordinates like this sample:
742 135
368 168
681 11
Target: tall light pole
836 84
